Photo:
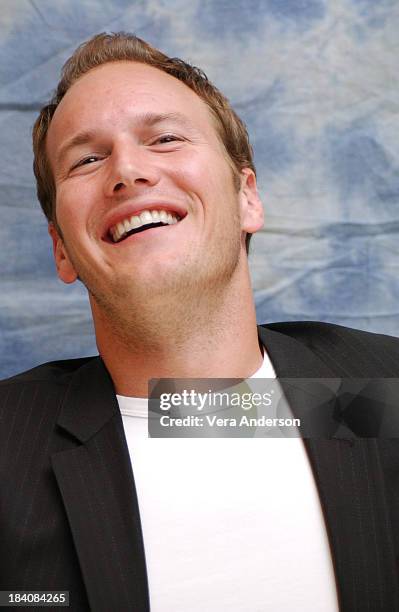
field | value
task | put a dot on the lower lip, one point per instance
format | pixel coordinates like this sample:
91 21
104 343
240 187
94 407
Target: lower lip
151 233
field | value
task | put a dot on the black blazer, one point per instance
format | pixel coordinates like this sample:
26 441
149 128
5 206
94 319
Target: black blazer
69 516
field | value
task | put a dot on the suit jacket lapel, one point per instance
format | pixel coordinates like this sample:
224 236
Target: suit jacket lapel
309 385
97 487
350 482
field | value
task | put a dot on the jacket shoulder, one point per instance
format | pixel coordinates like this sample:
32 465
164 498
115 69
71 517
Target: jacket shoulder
316 331
53 372
348 351
30 403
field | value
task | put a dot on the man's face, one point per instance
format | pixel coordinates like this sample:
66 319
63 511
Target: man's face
129 138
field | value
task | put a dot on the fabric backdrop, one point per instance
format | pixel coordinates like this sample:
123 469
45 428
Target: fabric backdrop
316 83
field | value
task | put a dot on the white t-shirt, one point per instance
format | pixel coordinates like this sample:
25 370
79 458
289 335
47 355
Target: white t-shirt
229 524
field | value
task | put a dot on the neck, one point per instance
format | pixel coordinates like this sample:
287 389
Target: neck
211 338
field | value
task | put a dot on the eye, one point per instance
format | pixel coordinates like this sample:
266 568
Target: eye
166 138
86 160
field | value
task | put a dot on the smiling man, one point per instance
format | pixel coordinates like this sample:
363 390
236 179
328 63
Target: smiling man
146 177
132 144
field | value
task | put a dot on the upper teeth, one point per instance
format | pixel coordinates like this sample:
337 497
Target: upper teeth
144 218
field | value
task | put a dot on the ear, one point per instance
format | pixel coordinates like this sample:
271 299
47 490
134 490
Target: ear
65 270
252 217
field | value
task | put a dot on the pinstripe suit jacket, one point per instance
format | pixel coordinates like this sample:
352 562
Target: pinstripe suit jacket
69 516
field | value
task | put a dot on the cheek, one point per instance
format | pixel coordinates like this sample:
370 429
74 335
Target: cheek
194 167
72 206
188 173
205 178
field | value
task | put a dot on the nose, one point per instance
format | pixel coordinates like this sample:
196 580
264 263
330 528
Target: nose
131 168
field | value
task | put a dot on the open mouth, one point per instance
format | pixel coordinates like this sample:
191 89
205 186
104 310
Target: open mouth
147 219
138 230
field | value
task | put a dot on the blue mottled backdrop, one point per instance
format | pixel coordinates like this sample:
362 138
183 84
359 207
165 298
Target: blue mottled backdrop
315 82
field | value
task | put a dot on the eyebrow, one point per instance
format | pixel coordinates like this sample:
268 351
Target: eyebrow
143 119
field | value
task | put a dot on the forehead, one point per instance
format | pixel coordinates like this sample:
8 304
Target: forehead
117 92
